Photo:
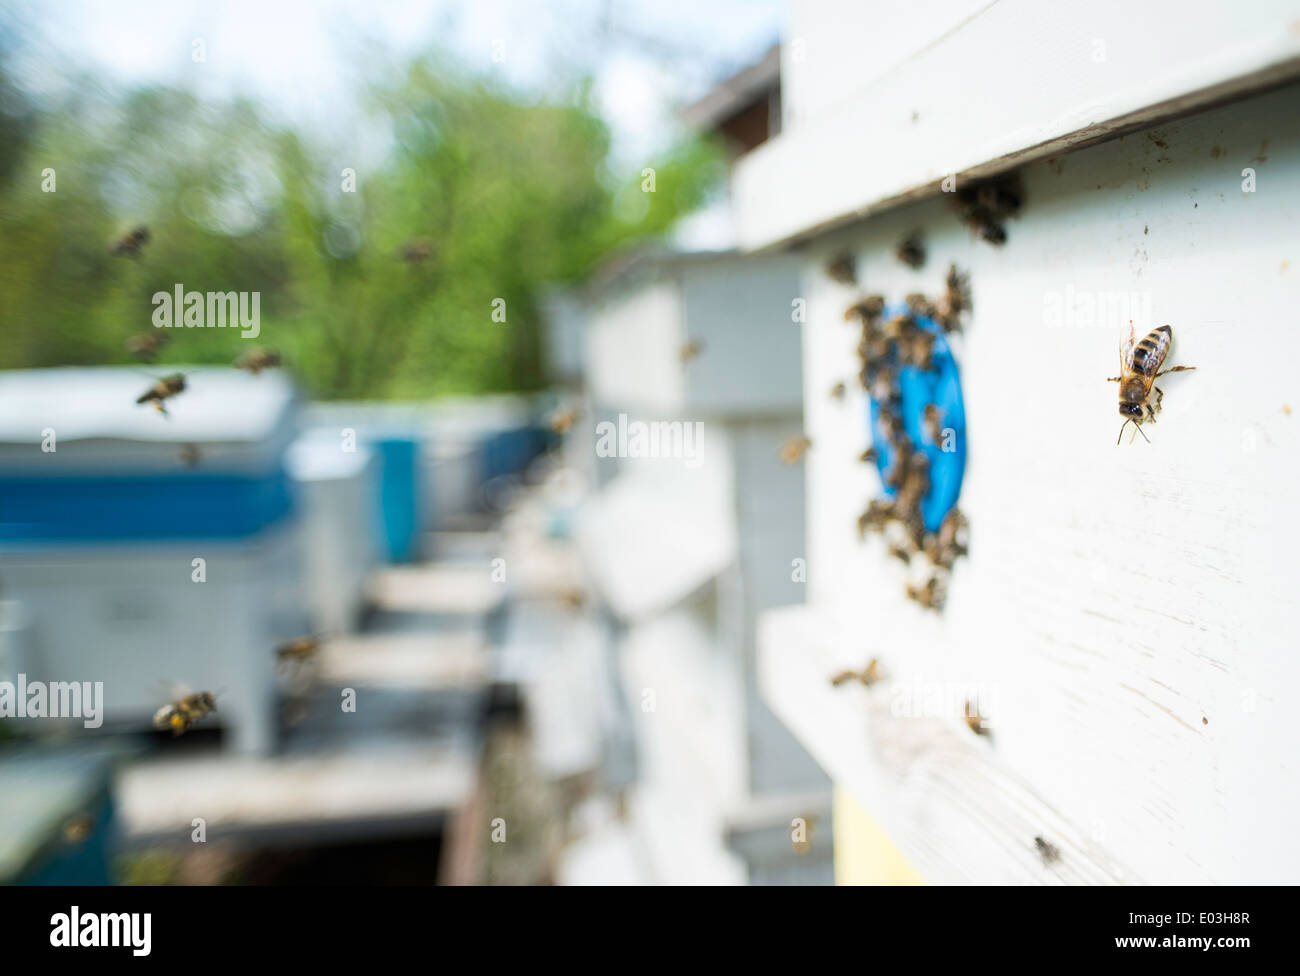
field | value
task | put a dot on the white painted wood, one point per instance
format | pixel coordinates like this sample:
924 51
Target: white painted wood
738 312
634 343
1004 82
1130 610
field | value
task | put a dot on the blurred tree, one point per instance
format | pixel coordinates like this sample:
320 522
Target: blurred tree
389 291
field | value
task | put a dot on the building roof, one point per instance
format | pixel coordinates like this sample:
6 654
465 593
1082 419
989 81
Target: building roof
735 94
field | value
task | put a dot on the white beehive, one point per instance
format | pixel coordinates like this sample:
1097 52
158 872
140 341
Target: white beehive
106 505
1126 612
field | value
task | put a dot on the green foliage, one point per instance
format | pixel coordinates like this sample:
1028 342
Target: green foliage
387 291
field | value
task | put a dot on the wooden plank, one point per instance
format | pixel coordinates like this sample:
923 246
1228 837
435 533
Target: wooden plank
1015 82
954 811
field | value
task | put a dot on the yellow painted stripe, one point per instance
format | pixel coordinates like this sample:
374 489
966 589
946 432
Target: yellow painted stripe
864 854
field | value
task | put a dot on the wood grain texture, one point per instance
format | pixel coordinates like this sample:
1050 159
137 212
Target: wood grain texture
1128 612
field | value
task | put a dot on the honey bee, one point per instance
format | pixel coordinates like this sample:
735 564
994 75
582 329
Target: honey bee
562 421
298 650
837 391
913 482
78 828
901 553
955 301
258 359
794 449
931 595
417 250
943 547
918 351
975 722
911 251
145 346
932 419
878 512
869 456
868 310
1139 368
131 243
984 206
1048 851
868 676
842 268
296 655
191 455
164 389
181 714
920 305
690 350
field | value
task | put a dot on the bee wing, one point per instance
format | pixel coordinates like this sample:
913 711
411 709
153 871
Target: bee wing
171 689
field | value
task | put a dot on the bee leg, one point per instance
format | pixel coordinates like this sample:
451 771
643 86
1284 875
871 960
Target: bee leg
1112 379
1160 396
1174 369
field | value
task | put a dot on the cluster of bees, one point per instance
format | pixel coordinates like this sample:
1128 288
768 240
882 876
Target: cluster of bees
181 715
984 207
886 345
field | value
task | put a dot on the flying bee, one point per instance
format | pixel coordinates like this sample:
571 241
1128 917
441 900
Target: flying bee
794 449
256 360
78 828
181 714
131 243
145 346
690 350
869 456
837 391
299 650
417 250
1048 851
975 721
868 676
164 389
1139 368
562 421
297 655
911 251
842 268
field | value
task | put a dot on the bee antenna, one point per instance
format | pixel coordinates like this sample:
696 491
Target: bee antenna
1142 432
1121 433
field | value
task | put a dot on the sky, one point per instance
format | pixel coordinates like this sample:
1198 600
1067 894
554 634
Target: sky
305 60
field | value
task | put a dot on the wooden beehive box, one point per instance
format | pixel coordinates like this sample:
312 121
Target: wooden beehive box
1126 614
